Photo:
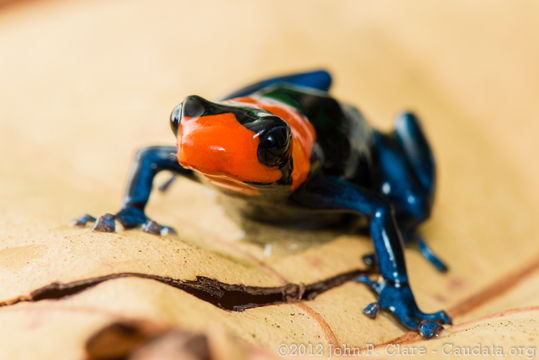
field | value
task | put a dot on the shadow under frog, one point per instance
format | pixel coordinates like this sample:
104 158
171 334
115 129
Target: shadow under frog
292 236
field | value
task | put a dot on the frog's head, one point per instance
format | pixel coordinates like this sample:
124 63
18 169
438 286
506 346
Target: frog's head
239 145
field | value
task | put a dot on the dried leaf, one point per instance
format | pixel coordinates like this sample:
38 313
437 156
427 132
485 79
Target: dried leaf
85 83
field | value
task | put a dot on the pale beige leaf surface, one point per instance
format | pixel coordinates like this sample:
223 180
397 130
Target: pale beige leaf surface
83 84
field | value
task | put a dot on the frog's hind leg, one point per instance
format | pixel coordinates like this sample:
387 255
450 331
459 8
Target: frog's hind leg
393 289
408 132
317 79
419 155
369 259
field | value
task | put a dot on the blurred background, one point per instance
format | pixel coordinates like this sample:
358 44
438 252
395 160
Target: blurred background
83 84
68 65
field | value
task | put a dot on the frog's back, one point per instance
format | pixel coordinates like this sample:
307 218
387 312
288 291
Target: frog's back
343 137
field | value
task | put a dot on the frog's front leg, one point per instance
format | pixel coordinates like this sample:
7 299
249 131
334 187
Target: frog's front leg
147 163
394 293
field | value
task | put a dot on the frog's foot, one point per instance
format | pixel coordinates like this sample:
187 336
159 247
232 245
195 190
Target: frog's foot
373 285
157 229
82 220
129 218
105 223
398 299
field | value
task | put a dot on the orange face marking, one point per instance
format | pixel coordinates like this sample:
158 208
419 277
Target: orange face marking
303 135
219 146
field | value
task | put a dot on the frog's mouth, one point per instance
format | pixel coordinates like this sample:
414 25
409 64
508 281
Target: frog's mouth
221 180
229 185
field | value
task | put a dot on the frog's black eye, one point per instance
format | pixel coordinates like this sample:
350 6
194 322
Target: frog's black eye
175 119
194 106
274 146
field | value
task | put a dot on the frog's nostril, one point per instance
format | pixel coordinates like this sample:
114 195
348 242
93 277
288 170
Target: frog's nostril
193 106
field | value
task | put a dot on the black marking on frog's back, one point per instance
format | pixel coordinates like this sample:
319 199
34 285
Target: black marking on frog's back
341 131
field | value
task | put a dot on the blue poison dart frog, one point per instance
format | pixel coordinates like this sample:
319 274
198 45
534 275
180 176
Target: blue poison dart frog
286 152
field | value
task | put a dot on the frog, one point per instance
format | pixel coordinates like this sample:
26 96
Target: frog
286 152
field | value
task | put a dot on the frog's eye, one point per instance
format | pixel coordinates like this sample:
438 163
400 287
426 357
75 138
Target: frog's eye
175 119
274 146
194 106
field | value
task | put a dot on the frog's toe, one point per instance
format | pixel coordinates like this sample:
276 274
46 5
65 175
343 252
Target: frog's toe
429 325
374 286
372 310
168 230
154 228
82 220
428 328
105 223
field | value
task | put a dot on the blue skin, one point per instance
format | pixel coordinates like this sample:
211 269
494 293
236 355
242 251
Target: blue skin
387 178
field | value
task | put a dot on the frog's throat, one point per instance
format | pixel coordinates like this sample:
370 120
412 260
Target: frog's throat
229 185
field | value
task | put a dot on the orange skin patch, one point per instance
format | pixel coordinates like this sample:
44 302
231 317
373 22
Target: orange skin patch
225 152
303 135
219 145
